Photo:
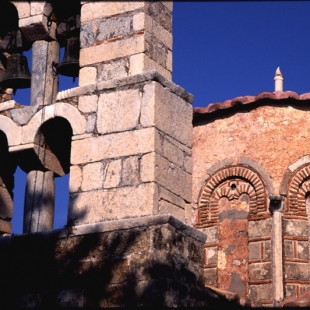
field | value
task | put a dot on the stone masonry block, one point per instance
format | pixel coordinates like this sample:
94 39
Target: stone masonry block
260 228
142 21
170 197
113 145
115 26
212 233
130 171
155 49
260 271
141 62
35 28
255 250
37 7
261 292
23 8
210 276
160 13
296 271
113 174
167 112
303 250
88 104
90 11
168 4
158 169
114 204
112 50
11 130
113 69
91 122
118 110
87 76
75 179
295 227
166 207
92 176
173 153
288 249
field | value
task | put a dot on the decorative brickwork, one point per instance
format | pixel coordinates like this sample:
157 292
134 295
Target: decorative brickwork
299 186
231 183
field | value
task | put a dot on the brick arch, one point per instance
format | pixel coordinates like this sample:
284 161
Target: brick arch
210 193
298 187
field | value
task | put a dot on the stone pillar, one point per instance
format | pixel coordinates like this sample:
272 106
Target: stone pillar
39 197
39 201
277 263
43 79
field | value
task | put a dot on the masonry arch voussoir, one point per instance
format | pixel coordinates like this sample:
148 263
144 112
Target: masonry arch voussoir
251 182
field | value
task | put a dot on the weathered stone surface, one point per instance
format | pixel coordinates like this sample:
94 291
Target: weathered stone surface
173 112
113 174
114 27
92 176
75 179
111 50
254 250
113 69
87 76
288 249
212 233
296 271
295 228
160 13
113 145
303 249
260 228
261 292
95 10
211 255
11 130
23 8
260 271
91 122
210 276
36 28
118 111
158 169
166 207
88 104
37 8
117 203
130 171
140 62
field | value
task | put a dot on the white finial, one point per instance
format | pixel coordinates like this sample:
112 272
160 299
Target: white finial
278 78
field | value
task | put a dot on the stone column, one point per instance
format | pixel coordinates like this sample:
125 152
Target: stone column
43 80
276 208
39 197
39 201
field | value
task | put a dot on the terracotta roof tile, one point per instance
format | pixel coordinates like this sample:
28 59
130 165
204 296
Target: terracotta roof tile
247 100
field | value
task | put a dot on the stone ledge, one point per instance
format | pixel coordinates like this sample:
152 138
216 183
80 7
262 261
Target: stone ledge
138 78
86 229
147 76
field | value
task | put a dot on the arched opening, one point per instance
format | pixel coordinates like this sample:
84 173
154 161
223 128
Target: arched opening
58 133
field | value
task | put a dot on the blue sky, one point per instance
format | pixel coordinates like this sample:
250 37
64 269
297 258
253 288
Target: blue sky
221 50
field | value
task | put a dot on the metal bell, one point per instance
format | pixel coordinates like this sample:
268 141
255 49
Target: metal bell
70 63
17 73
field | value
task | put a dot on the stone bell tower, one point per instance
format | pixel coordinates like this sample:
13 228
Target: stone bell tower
124 135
